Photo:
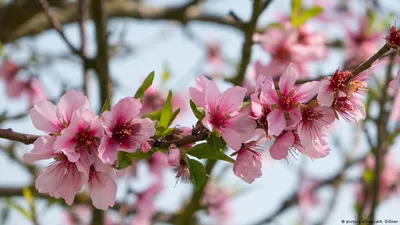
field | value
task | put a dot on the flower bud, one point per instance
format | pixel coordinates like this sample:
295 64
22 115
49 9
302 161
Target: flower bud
174 156
393 40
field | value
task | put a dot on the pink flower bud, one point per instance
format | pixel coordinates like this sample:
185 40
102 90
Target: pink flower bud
394 38
174 156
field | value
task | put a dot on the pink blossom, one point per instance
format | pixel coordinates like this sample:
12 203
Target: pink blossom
81 139
53 119
61 179
145 205
42 149
223 111
158 163
248 161
394 84
183 172
286 100
15 88
287 141
8 70
102 187
288 45
214 53
36 91
313 130
216 199
393 39
174 156
123 130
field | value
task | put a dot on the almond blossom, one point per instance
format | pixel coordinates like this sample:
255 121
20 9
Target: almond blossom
248 161
81 139
102 187
174 156
285 101
223 111
123 130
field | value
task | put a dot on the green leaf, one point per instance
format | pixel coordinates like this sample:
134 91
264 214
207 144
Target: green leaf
12 204
308 14
123 160
198 113
166 114
368 176
139 155
146 84
166 74
197 173
296 8
155 115
173 117
106 106
213 149
26 191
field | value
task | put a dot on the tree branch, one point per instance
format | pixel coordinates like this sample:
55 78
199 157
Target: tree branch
367 64
9 134
249 30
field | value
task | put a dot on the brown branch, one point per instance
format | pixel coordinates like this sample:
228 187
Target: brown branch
99 13
249 30
58 26
368 63
83 14
382 144
39 22
9 134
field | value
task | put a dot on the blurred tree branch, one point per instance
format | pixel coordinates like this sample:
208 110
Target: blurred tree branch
34 21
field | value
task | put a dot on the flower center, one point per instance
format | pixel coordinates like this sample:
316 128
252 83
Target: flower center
310 115
286 102
338 80
218 118
122 131
85 139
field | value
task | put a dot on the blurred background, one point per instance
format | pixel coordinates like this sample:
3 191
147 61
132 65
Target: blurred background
143 38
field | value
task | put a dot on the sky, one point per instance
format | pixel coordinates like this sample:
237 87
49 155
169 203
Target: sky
156 44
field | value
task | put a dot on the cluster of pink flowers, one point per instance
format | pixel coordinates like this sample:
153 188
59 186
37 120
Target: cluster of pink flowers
216 200
16 86
85 146
290 45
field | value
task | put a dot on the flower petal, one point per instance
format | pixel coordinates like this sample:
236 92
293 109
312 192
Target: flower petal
280 148
276 122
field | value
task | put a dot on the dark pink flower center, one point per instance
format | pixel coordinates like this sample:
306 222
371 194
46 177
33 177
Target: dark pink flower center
338 80
394 37
283 53
309 116
85 138
217 118
287 102
123 133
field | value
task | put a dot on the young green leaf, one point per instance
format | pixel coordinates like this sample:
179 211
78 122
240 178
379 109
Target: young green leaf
12 204
106 106
26 191
296 8
166 74
123 160
198 113
146 84
166 114
174 115
307 14
213 149
155 115
197 173
139 155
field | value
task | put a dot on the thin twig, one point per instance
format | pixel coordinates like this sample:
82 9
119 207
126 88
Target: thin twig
83 14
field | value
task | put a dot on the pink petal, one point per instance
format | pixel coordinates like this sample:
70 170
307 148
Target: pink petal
287 80
102 189
269 95
69 102
256 106
212 94
107 150
198 97
247 166
231 100
280 148
174 156
125 110
232 138
44 117
276 122
325 95
243 125
43 149
307 91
